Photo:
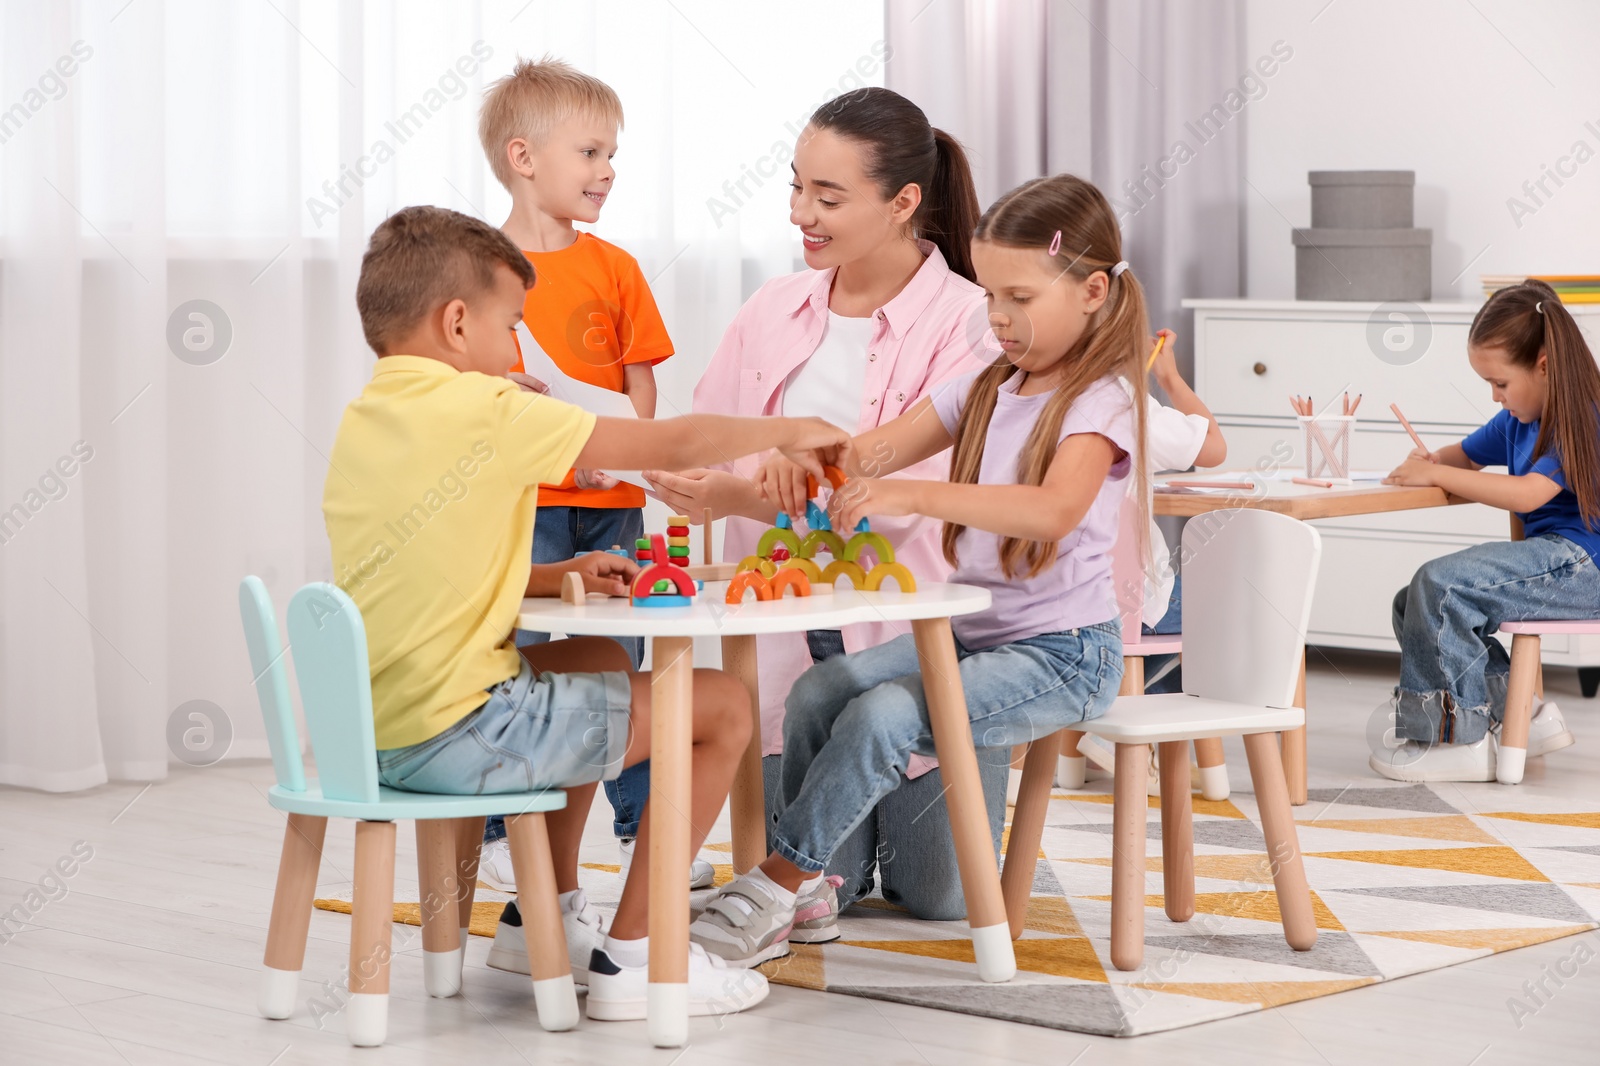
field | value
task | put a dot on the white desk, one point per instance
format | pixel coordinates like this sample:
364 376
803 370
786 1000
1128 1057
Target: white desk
671 631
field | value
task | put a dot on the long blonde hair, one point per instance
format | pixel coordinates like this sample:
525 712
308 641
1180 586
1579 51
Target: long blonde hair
1069 218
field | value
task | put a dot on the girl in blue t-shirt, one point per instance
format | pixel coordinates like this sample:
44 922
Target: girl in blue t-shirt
1452 690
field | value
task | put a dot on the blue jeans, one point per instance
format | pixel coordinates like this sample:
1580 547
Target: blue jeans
1171 622
559 533
1452 670
853 722
906 840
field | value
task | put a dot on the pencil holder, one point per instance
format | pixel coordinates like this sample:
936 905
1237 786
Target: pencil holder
1328 445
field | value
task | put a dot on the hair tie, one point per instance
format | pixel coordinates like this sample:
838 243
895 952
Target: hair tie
1539 307
1122 264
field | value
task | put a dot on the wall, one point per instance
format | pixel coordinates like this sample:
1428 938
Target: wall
1477 98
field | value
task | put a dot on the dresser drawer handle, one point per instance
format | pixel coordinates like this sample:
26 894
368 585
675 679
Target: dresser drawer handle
1259 368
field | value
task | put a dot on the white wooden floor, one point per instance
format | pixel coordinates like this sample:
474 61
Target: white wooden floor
152 954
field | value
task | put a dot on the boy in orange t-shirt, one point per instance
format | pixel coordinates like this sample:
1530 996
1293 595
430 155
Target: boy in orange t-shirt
550 131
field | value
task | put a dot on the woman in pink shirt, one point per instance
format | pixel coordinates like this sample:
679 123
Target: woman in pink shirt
887 311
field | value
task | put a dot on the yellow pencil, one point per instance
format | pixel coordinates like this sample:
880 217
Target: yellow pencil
1160 340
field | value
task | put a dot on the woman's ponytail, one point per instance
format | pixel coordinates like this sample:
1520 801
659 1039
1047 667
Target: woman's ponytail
949 211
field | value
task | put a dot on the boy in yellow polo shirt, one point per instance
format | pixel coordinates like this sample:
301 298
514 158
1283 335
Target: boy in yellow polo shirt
429 505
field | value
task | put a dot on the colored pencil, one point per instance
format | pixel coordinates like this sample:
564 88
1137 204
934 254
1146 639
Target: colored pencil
1160 340
1356 404
1211 484
1318 482
1396 409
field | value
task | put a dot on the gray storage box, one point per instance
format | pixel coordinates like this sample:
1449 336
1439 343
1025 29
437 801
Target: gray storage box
1363 264
1362 199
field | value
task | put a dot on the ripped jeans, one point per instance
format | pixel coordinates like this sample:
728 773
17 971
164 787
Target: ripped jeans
1452 669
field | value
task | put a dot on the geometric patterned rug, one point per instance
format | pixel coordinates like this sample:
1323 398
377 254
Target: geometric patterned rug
1403 880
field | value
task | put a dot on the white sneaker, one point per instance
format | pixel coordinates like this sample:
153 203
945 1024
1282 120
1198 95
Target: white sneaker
1413 761
700 872
494 866
1548 731
585 928
621 993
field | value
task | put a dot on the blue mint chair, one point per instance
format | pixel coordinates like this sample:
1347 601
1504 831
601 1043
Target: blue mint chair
330 656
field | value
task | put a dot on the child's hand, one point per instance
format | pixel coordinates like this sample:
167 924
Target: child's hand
783 483
594 479
529 383
1417 471
690 492
1424 454
1165 368
871 498
813 442
604 572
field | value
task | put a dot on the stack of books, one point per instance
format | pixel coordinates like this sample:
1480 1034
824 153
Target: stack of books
1572 288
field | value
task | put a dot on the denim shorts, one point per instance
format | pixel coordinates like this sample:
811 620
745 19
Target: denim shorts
537 731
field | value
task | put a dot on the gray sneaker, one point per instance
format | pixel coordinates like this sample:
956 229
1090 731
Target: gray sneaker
816 914
743 925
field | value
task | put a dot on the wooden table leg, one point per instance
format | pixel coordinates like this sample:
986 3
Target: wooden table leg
1294 745
748 803
1283 843
1177 832
437 884
1129 803
1027 828
969 820
671 707
291 914
371 935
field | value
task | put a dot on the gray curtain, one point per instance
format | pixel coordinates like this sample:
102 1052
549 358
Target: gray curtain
1143 97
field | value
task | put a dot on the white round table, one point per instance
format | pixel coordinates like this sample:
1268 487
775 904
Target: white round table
671 630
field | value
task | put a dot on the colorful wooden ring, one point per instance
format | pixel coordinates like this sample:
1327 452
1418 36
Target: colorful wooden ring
852 570
812 571
884 571
758 565
777 535
876 541
819 539
790 579
748 579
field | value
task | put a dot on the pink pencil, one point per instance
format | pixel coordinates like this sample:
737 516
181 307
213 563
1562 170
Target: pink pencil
1396 409
1318 482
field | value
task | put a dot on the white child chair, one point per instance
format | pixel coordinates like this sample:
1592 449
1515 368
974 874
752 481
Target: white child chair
1248 579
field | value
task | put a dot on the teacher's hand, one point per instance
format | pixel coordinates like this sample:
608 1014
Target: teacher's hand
690 492
783 484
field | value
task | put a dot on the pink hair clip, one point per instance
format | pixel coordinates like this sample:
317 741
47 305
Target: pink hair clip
1055 243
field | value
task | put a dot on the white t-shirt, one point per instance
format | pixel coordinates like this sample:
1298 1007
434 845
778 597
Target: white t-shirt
1172 440
829 384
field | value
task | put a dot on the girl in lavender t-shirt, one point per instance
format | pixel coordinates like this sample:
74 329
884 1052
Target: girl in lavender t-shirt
1043 441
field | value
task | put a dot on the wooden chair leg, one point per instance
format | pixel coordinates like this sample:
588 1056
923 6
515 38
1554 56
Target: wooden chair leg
1027 828
469 846
372 920
1132 676
1213 768
1177 832
1294 745
1072 769
987 921
554 993
291 914
436 883
1129 804
1283 842
1519 708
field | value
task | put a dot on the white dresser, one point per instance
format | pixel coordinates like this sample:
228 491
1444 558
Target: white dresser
1250 355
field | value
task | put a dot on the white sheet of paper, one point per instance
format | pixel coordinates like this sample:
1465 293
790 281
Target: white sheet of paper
591 398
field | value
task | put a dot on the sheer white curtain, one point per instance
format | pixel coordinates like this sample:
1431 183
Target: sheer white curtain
1105 89
185 192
